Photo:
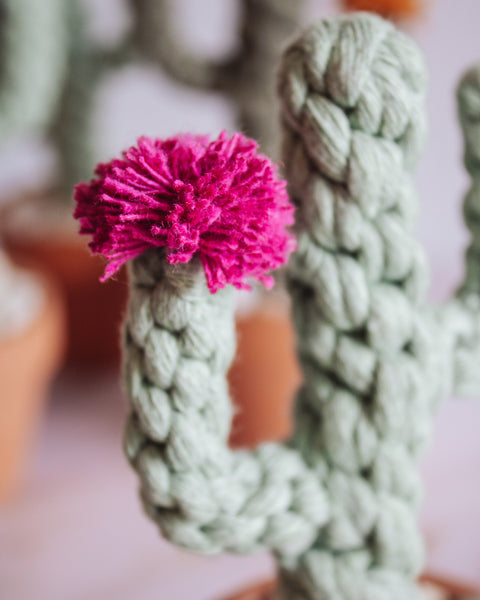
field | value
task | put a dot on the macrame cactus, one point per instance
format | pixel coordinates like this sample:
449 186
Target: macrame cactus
352 94
337 503
248 77
468 95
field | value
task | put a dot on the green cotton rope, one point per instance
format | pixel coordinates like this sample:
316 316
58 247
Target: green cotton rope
337 503
376 359
179 342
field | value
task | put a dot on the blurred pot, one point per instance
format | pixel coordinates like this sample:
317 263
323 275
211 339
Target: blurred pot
46 231
265 374
29 359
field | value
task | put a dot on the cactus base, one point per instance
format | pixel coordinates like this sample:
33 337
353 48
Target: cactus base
436 588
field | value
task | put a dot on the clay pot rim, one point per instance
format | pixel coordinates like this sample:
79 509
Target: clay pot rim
262 590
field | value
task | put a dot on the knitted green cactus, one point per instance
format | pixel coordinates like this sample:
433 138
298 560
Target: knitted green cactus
248 77
337 503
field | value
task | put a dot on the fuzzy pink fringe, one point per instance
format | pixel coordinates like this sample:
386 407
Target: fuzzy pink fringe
220 200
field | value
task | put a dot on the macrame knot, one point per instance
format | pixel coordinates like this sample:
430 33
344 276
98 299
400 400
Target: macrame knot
221 201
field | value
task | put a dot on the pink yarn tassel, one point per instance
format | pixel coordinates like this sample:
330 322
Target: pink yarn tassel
220 200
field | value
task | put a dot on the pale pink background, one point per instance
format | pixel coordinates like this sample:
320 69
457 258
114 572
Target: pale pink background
76 531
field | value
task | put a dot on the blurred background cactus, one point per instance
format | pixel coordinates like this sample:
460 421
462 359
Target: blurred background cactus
63 107
50 47
247 77
32 64
72 129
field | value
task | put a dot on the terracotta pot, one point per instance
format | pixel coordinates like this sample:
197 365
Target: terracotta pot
390 9
264 374
94 309
29 359
437 587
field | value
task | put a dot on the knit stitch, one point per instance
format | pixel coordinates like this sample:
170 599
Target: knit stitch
337 503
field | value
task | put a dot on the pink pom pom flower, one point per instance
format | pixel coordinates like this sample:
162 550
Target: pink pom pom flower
221 201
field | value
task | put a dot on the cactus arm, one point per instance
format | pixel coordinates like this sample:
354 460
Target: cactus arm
352 93
157 41
178 344
33 42
461 316
192 216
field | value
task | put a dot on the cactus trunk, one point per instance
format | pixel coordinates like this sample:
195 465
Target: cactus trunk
352 94
178 344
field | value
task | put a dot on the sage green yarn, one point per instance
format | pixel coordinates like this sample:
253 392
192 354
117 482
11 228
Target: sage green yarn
178 344
248 76
337 503
352 92
460 317
72 128
32 63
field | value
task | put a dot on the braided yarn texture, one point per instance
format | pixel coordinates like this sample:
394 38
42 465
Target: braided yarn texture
193 216
352 92
337 503
179 341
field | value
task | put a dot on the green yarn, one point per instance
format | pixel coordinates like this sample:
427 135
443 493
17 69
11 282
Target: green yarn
32 63
461 316
49 75
337 503
352 93
248 77
178 344
72 129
